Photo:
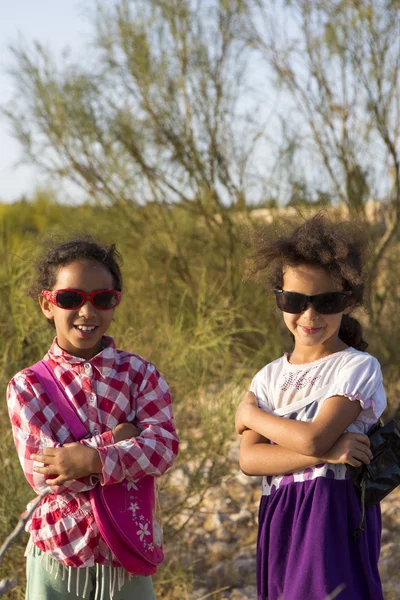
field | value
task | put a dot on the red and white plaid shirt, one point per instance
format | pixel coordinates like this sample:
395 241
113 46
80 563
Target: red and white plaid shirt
113 387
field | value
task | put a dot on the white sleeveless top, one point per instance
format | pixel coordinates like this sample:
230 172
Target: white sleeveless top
298 392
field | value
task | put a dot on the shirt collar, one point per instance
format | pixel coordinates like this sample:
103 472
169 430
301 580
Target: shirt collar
103 362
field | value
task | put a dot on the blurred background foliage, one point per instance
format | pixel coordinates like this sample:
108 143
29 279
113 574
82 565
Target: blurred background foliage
162 129
185 308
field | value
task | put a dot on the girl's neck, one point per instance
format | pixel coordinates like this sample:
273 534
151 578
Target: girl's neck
307 354
86 354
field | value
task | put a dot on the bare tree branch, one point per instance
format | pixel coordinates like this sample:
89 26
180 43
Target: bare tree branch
7 584
20 527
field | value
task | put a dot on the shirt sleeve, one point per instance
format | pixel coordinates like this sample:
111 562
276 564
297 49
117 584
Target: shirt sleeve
259 388
97 441
155 449
31 426
361 379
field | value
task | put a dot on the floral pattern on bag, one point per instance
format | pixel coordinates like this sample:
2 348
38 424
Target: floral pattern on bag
143 524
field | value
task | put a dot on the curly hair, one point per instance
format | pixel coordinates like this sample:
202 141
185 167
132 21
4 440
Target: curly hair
64 253
339 248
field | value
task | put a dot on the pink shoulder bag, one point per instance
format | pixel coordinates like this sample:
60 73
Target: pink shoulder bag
125 512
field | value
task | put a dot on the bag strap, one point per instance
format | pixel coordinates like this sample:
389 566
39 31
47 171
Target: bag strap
360 528
58 397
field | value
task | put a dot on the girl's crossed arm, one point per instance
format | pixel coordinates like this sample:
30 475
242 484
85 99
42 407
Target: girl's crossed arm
155 449
75 460
259 457
311 439
34 438
66 468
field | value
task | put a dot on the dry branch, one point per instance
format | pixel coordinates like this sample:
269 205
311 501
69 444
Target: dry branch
7 584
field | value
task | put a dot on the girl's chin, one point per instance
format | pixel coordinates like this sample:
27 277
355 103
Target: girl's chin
83 346
310 339
86 351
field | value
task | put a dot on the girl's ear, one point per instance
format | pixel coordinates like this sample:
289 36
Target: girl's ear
47 307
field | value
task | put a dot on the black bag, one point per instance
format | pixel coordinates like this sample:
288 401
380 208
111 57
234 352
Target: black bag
382 475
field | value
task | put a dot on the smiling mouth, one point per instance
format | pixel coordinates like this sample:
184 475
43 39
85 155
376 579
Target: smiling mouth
86 328
310 330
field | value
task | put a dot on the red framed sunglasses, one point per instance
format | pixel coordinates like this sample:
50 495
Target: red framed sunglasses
72 299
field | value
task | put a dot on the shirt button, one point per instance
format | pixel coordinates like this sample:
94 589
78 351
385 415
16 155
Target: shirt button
88 368
96 432
92 397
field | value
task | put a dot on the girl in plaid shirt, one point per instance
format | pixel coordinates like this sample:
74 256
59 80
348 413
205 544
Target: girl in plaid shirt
79 287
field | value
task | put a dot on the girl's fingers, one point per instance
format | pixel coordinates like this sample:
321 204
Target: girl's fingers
365 459
354 462
364 439
49 470
364 450
56 481
43 458
360 457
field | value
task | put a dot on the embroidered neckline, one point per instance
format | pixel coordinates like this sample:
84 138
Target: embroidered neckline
315 362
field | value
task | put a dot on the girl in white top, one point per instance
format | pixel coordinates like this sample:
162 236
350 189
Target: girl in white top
306 416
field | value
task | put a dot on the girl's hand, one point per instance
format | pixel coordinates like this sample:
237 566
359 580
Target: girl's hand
125 431
350 448
71 461
245 411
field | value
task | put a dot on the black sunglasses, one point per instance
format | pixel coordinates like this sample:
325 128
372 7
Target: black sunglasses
326 304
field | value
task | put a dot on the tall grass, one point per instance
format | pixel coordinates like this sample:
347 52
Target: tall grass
185 308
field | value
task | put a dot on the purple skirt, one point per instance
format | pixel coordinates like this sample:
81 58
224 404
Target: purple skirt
306 549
